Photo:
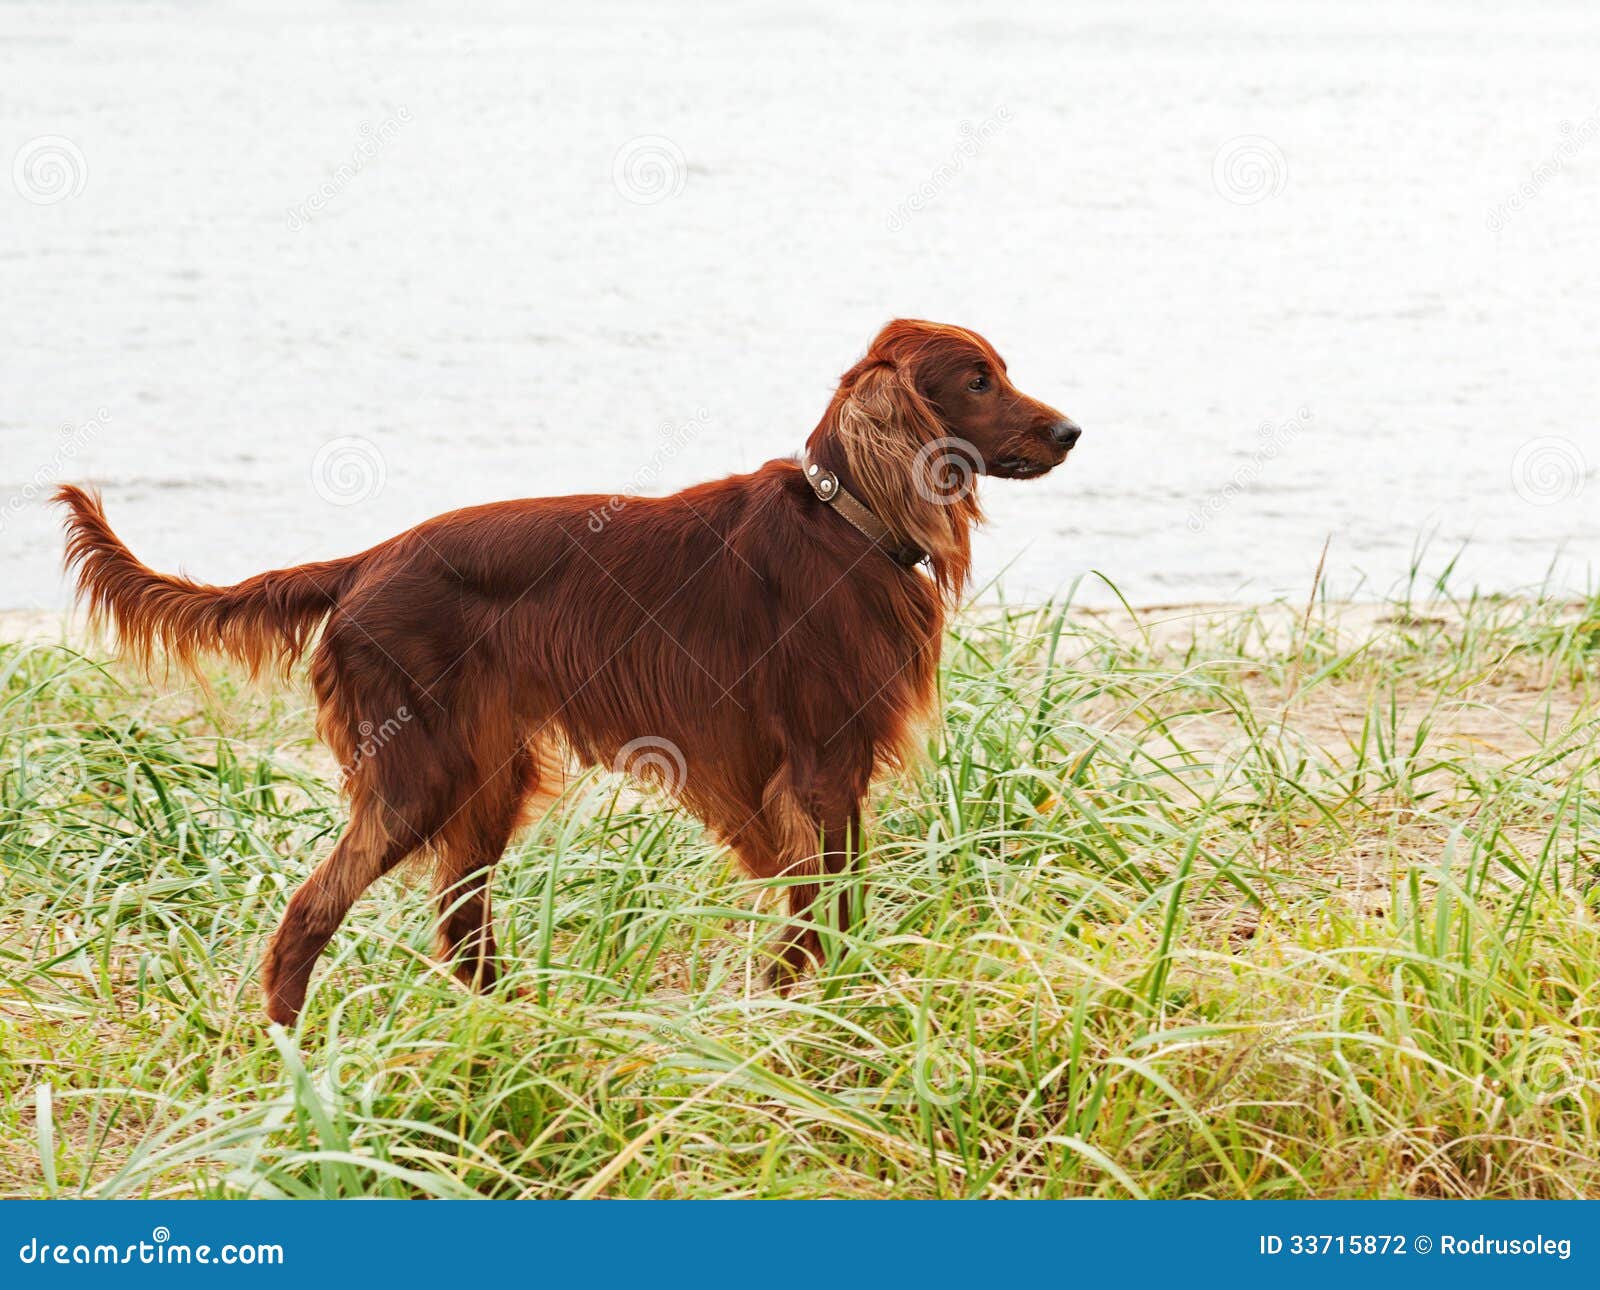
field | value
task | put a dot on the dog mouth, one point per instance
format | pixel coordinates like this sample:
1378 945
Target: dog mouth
1021 467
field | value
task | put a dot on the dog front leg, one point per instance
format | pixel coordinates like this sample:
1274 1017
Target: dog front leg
819 826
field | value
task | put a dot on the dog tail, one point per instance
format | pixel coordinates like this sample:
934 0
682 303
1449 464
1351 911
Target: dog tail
269 618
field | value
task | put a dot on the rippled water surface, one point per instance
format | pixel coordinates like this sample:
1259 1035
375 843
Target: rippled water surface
284 281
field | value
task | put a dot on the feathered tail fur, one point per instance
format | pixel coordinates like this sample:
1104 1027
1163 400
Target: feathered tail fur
268 619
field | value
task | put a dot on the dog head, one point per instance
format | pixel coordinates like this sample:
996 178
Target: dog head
928 410
964 383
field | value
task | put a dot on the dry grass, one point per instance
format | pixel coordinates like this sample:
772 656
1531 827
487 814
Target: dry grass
1207 901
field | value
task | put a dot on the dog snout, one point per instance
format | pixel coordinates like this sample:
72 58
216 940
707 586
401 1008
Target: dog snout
1065 433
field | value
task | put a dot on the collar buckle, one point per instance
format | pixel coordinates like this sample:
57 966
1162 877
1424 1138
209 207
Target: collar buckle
825 484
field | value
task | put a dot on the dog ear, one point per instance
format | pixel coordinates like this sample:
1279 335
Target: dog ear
902 460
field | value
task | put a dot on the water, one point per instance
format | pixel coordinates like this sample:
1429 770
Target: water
1269 259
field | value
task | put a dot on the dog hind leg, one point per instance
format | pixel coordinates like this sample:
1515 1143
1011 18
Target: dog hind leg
469 845
364 852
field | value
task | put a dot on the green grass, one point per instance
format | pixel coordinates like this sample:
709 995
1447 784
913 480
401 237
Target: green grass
1261 902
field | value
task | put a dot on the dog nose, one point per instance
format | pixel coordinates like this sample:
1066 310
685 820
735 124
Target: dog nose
1065 433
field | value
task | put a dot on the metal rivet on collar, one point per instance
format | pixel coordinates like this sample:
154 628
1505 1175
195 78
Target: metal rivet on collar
825 484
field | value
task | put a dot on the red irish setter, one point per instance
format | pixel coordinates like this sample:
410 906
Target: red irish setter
772 637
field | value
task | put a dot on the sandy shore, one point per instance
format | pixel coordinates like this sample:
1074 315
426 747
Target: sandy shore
41 625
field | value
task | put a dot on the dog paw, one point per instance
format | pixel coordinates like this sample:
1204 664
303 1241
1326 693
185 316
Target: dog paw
793 954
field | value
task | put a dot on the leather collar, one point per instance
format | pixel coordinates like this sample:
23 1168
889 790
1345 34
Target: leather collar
825 484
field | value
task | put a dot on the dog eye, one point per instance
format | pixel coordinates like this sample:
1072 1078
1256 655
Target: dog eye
978 384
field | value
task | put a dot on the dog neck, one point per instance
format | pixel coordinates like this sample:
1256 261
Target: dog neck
938 532
825 484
